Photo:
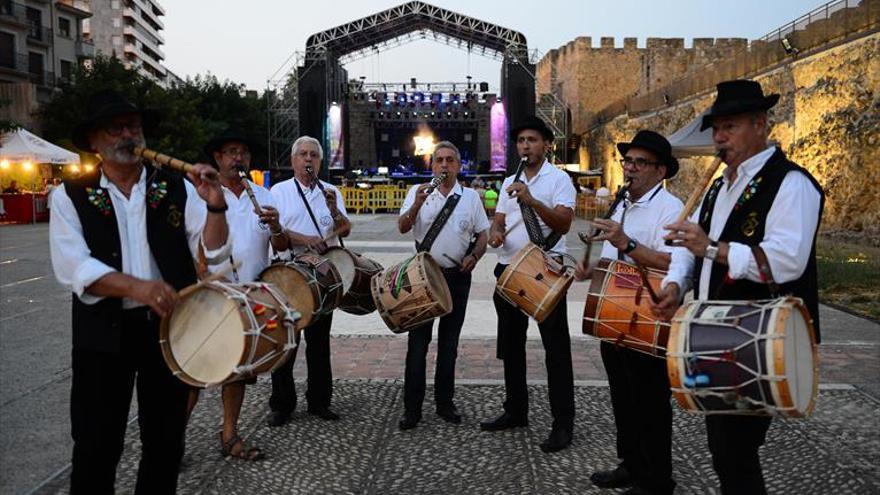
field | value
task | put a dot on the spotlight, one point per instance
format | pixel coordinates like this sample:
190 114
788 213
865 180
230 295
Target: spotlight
788 47
27 166
4 164
89 167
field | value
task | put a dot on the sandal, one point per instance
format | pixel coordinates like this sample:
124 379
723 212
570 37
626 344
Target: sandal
243 452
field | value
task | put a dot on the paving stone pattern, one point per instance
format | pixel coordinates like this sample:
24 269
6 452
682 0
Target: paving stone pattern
836 450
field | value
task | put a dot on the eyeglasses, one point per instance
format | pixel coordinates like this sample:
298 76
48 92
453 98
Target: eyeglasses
239 152
114 129
638 163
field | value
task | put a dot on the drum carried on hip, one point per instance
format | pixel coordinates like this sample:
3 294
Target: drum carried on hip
310 282
618 308
356 272
744 357
222 332
534 282
411 292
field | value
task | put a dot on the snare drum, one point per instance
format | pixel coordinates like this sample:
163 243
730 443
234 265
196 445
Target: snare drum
310 282
411 293
222 332
618 308
356 272
534 282
744 357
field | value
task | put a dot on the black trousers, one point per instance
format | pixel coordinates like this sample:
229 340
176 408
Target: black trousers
512 326
734 443
99 404
448 331
640 397
320 374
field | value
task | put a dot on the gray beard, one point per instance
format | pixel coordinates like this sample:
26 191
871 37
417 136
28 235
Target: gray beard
121 153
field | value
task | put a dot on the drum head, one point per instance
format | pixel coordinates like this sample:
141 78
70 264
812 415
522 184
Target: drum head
436 282
297 285
205 335
799 359
344 264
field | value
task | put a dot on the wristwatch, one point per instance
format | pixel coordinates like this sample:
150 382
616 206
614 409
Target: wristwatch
630 246
711 250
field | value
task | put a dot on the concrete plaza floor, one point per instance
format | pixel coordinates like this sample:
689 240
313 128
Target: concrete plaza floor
836 450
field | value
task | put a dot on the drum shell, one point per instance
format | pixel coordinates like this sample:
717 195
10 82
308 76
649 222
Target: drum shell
193 357
358 299
311 283
424 295
617 309
529 285
787 387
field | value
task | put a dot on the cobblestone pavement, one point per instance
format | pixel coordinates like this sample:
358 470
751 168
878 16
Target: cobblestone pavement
836 450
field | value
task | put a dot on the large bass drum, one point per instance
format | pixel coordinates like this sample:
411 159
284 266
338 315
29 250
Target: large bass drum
411 292
356 272
744 357
221 332
534 282
310 282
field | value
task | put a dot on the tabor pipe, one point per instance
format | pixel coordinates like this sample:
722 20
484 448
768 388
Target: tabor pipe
164 160
250 191
436 181
698 192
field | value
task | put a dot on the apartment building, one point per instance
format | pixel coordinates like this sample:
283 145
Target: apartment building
130 30
40 43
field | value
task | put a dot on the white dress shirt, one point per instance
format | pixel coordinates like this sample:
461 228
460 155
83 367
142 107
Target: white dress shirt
74 266
645 219
788 233
550 186
249 238
467 218
295 216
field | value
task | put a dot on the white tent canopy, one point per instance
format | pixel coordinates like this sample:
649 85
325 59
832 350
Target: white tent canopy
21 146
690 141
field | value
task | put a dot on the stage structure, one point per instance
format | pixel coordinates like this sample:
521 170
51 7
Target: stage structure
312 95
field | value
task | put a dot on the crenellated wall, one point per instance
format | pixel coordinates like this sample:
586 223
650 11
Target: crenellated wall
588 79
827 120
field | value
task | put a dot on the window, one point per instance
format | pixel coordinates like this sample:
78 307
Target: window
7 50
35 23
117 22
66 69
64 27
114 5
35 67
117 41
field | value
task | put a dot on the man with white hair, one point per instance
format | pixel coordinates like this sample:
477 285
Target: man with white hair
309 214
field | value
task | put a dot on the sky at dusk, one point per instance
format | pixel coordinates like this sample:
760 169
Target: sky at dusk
247 42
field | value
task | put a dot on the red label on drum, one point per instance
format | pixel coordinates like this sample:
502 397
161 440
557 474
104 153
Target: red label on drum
627 276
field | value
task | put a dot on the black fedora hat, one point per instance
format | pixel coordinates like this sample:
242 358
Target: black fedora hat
735 97
533 123
228 135
103 106
655 143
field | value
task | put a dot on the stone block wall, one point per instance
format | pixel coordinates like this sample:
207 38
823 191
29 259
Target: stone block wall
827 120
588 79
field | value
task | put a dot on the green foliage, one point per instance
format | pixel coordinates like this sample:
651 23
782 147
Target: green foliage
190 113
848 275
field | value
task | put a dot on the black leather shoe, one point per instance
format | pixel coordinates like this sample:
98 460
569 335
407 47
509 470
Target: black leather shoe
278 418
504 422
324 413
618 477
449 413
409 421
560 438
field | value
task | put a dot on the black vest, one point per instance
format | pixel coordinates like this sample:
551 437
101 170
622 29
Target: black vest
746 226
97 327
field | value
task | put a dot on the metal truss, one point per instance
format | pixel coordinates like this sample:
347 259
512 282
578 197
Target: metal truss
283 110
416 16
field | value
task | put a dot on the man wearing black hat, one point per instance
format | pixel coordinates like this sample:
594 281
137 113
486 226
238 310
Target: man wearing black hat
761 200
638 382
537 207
251 233
122 239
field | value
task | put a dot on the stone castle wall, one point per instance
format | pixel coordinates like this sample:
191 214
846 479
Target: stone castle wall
827 120
589 79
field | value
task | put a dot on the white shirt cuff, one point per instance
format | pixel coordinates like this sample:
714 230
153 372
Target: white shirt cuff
86 274
219 255
738 258
684 283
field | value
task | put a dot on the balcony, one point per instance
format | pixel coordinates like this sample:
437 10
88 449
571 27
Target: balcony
18 62
43 78
85 48
13 13
39 34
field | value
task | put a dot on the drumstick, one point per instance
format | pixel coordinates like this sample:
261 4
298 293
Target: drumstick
164 160
644 273
451 259
210 278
